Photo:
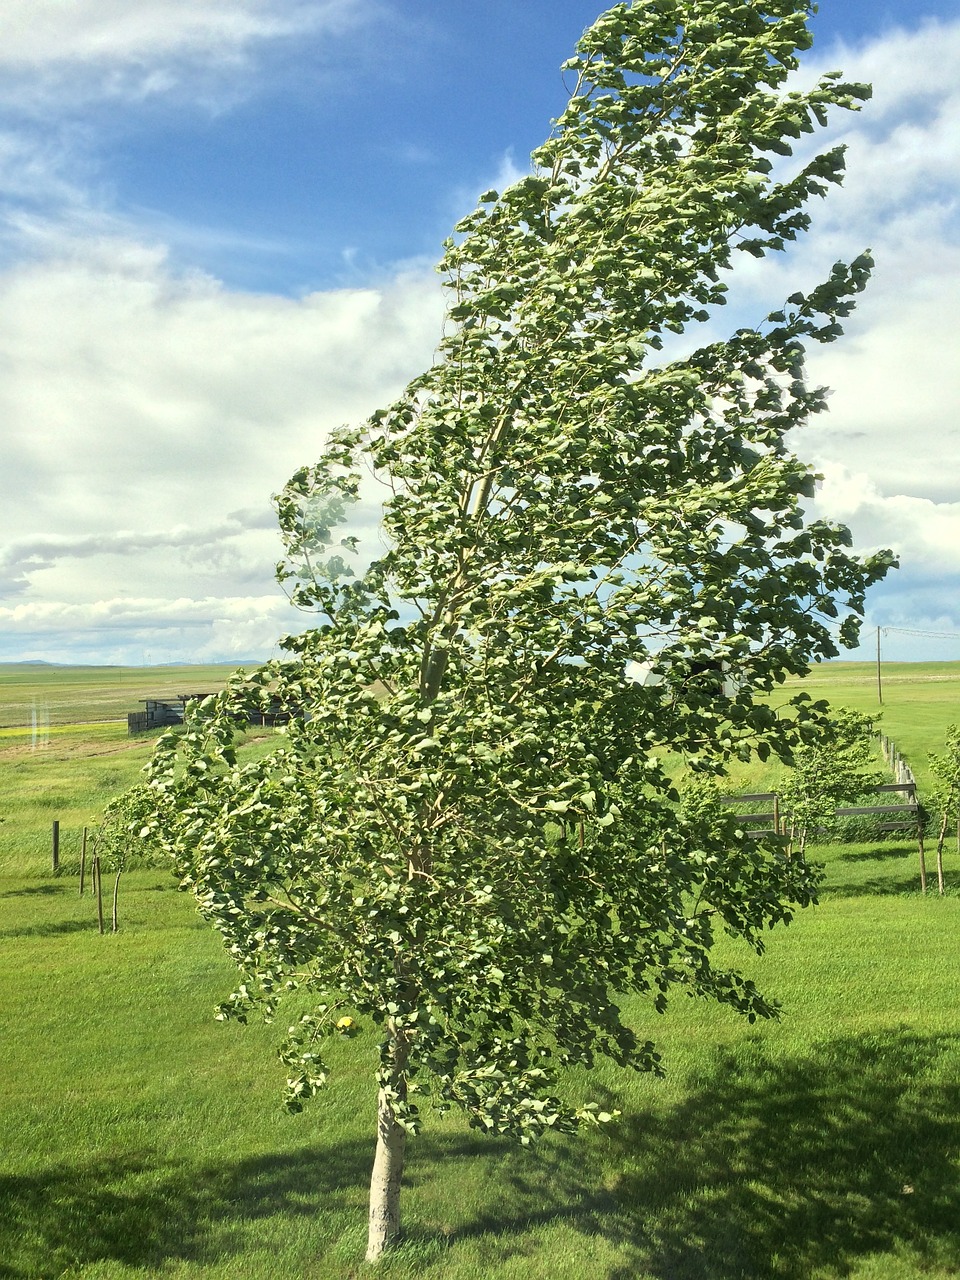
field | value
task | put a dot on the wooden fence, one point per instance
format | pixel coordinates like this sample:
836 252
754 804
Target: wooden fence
761 824
904 816
896 763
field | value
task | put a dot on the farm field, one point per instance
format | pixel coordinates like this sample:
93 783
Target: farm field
77 695
920 699
141 1138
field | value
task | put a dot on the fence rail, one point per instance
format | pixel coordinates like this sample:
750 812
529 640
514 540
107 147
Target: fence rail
907 816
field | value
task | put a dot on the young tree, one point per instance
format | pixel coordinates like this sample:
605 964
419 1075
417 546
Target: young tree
945 768
467 834
835 769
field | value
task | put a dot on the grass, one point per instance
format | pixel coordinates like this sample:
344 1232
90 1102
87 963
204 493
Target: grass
143 1139
920 699
62 695
71 780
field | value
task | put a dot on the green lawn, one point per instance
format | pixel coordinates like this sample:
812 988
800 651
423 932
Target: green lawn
141 1138
919 700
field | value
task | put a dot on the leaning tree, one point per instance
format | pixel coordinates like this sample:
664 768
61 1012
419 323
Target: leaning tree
469 835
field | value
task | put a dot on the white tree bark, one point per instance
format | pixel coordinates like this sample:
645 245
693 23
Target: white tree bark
384 1222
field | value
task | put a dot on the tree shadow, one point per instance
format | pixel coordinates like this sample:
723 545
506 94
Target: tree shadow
880 887
771 1169
145 1211
50 929
34 890
882 853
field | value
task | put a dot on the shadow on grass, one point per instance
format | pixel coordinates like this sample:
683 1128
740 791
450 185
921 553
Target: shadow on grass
885 887
882 853
771 1169
46 890
50 929
146 1212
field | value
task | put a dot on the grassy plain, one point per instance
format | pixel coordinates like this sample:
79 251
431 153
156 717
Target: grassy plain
61 695
142 1139
920 699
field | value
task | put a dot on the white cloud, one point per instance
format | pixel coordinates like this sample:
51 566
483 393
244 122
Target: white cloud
35 33
920 531
143 408
155 629
55 52
890 443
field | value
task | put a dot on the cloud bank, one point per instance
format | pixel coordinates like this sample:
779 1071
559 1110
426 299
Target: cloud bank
150 416
149 411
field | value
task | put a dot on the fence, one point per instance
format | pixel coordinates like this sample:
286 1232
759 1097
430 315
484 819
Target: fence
896 763
905 816
772 822
909 806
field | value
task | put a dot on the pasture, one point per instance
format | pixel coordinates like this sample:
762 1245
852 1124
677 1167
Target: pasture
64 696
141 1138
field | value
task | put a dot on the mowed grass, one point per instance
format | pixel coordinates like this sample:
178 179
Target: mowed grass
141 1138
70 780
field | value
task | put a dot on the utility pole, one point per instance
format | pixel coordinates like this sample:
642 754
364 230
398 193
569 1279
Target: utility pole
879 684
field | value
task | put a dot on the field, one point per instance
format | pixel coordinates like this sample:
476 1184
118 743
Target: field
57 696
143 1139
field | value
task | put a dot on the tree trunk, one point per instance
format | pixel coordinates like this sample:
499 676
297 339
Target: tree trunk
116 897
941 840
384 1226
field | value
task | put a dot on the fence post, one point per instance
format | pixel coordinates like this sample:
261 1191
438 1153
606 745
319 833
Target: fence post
56 847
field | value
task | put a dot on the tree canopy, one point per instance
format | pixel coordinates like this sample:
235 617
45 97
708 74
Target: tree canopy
470 833
837 768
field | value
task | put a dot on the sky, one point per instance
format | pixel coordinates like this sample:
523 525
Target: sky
218 225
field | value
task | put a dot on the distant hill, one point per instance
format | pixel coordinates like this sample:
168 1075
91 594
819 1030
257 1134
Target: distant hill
134 666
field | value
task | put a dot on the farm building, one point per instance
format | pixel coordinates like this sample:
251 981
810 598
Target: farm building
713 670
161 713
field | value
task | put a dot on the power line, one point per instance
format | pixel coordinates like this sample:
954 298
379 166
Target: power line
907 631
913 631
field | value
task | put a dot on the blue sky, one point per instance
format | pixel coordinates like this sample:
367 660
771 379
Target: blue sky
217 229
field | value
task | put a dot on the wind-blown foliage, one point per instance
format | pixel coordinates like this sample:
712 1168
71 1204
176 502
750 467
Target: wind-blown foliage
945 767
468 833
836 769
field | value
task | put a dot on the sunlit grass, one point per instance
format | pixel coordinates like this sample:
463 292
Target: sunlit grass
920 699
57 695
141 1138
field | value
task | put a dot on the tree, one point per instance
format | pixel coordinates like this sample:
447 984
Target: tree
129 814
945 768
468 834
834 769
